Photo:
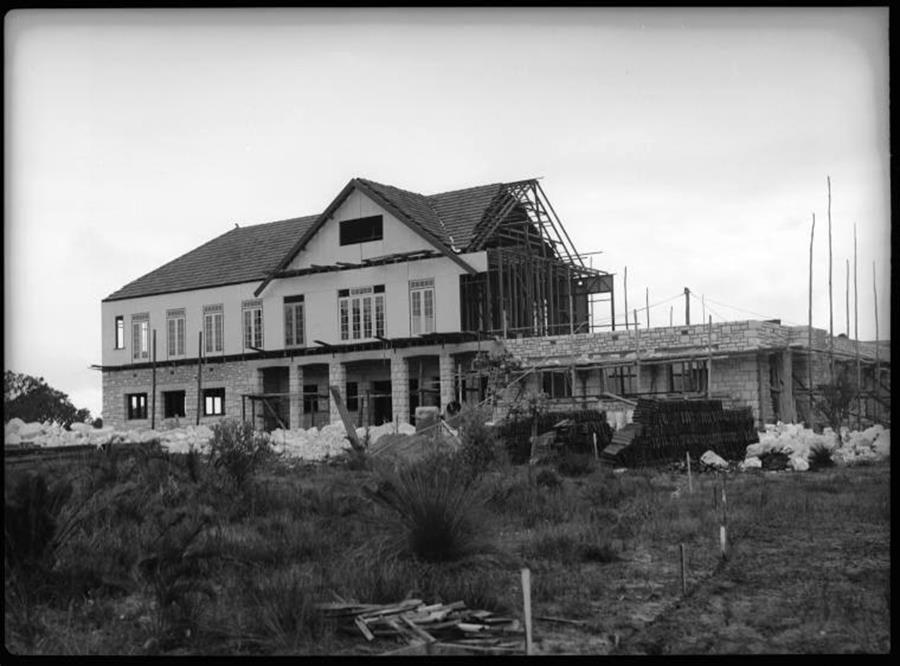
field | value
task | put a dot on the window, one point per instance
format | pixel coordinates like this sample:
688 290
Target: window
621 380
175 332
136 404
253 324
352 396
421 306
213 402
557 383
687 377
140 336
293 321
361 230
310 398
361 312
173 404
120 332
213 319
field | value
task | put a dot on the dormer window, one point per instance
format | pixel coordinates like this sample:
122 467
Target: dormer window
362 230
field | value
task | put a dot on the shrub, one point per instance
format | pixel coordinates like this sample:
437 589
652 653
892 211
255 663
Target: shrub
238 449
547 478
576 464
31 514
436 505
820 457
479 444
774 460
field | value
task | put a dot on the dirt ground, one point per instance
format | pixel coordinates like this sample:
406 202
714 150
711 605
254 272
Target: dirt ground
808 571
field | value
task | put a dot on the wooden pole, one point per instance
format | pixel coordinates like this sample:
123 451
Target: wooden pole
723 528
625 290
153 385
809 350
671 314
200 375
877 381
709 358
847 300
687 306
856 328
830 295
647 304
683 571
526 598
596 452
703 307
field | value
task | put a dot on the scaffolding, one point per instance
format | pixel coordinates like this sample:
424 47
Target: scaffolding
536 283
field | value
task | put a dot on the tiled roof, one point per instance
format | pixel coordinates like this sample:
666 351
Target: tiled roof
250 253
462 210
243 254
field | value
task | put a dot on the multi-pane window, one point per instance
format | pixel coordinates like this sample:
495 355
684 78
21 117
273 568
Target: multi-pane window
120 332
173 404
421 306
253 324
557 383
293 321
175 332
352 396
361 312
213 328
213 401
621 380
140 336
136 404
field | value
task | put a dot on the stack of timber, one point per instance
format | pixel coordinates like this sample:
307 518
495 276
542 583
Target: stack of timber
663 430
577 436
432 629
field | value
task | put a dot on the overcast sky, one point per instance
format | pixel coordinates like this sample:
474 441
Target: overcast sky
691 146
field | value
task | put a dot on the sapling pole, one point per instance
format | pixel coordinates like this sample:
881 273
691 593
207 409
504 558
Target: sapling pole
877 345
625 290
526 598
809 345
847 299
856 328
830 294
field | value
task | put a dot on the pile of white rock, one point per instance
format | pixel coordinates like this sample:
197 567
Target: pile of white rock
797 442
311 444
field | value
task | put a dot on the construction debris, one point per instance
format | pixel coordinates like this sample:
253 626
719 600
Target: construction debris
435 625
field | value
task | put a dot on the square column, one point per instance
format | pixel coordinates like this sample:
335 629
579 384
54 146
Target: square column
337 376
295 386
447 368
400 388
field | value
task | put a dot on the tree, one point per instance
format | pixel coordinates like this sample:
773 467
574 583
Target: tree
837 397
31 399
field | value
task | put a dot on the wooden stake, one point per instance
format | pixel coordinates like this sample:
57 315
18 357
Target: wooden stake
625 289
687 455
153 386
596 453
687 306
526 598
200 376
830 295
683 571
809 350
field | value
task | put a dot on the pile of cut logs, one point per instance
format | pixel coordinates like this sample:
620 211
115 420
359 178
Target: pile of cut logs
430 629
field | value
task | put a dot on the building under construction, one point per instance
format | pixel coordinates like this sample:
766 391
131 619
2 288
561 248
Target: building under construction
397 298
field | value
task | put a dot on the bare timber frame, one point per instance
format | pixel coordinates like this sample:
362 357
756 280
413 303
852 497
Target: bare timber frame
536 282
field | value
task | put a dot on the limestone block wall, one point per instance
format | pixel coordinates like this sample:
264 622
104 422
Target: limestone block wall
235 377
